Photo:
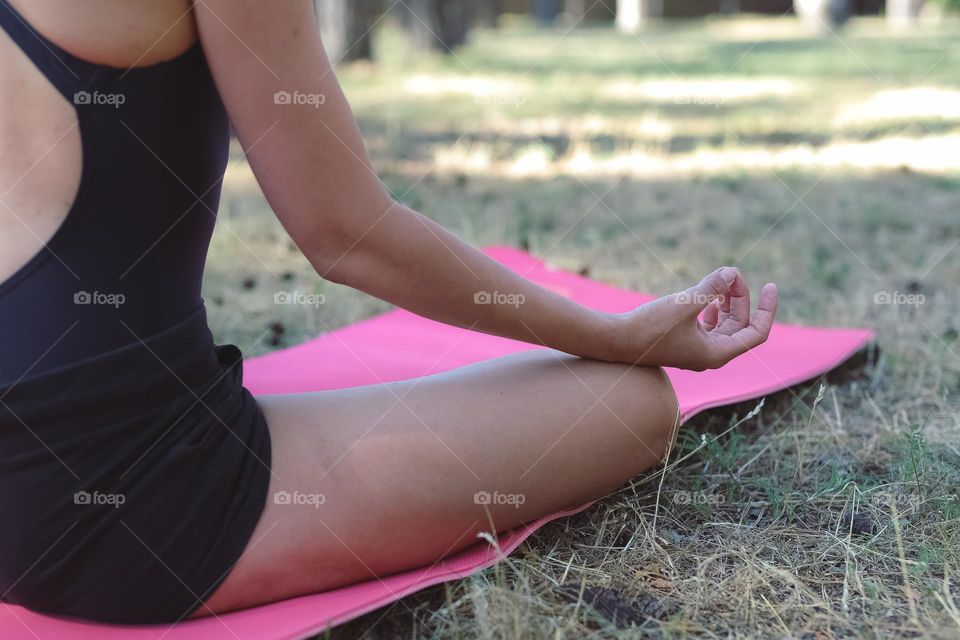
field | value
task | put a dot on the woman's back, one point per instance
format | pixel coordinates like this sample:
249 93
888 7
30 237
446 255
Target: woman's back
110 173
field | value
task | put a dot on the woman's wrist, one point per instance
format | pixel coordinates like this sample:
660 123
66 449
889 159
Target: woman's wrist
611 337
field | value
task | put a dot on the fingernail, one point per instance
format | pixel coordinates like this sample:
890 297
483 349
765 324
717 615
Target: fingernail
728 275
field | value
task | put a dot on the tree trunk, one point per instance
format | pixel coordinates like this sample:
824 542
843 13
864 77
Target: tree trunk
438 24
729 7
824 16
903 13
546 11
631 14
575 10
345 27
488 13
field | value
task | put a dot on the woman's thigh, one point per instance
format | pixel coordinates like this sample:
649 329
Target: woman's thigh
373 480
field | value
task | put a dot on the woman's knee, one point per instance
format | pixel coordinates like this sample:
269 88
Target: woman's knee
651 408
670 408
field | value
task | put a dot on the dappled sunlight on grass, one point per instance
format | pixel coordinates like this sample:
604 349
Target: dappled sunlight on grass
933 154
903 104
482 87
699 90
710 91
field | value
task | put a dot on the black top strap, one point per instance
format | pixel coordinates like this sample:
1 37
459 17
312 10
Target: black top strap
68 73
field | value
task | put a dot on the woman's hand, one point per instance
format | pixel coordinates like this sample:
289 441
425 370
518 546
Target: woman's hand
671 332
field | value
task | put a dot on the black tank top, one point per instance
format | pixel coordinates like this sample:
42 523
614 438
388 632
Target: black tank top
127 261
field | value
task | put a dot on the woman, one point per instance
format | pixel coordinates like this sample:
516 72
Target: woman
140 482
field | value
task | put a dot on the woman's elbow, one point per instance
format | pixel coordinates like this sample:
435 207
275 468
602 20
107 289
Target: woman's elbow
342 247
336 255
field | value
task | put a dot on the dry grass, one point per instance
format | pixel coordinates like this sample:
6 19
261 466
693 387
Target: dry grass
827 166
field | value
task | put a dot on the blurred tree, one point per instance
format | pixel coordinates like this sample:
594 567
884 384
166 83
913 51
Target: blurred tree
345 27
823 15
571 11
631 14
546 11
488 12
574 10
438 24
903 13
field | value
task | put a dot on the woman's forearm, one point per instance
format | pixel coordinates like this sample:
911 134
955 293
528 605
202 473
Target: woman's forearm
407 259
309 158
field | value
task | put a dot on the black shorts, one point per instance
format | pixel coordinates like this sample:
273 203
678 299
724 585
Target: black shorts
130 482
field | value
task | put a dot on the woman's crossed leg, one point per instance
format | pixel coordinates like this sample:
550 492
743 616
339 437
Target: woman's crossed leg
373 480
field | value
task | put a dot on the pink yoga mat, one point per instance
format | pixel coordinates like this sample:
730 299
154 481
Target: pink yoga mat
399 345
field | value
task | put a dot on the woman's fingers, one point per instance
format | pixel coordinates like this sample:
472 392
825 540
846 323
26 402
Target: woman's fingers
713 287
724 299
766 310
710 317
735 314
756 333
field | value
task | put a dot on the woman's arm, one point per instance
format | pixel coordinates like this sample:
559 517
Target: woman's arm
305 148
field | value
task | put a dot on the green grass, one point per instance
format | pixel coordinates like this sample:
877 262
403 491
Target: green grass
826 165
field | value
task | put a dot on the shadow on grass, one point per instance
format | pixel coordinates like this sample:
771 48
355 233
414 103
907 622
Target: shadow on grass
423 143
669 53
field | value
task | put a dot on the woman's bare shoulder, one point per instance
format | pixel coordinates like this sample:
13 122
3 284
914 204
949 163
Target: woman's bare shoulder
120 33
